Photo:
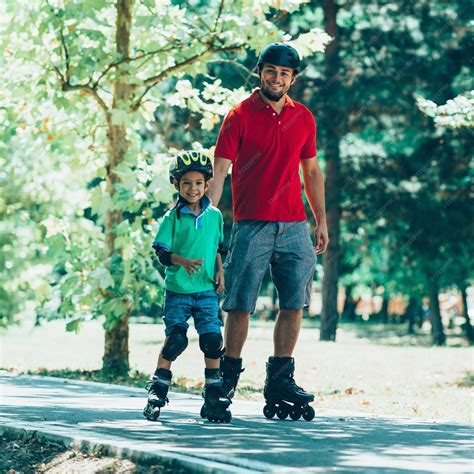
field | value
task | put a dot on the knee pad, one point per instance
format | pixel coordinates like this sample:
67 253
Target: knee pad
175 345
211 345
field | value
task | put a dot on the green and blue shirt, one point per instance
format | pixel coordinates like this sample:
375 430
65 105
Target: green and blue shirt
192 236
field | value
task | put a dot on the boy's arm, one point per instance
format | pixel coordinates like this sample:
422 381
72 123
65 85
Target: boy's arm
191 265
168 259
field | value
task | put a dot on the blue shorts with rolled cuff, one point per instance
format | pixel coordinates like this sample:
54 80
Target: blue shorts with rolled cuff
202 306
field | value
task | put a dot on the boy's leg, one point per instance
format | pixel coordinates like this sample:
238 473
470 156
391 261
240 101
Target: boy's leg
208 326
177 310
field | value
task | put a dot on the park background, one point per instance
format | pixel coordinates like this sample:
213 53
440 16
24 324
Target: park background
96 98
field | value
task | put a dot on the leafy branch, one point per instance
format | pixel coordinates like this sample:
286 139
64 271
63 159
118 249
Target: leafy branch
154 80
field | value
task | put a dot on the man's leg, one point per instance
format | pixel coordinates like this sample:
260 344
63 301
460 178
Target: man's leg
235 335
286 332
250 251
235 332
292 267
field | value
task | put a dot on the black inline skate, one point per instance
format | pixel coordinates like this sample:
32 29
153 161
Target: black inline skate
216 402
157 388
282 396
231 368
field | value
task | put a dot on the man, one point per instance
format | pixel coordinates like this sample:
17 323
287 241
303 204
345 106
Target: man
266 138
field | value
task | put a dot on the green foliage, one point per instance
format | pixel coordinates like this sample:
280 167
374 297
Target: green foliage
84 106
405 205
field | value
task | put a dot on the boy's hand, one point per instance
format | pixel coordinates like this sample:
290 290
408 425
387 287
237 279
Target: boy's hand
219 281
189 264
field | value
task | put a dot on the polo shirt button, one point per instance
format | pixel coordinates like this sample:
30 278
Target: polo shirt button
267 107
274 113
279 123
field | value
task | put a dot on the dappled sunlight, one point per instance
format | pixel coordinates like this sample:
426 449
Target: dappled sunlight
108 412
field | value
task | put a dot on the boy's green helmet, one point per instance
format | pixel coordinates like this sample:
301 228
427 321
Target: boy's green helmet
190 161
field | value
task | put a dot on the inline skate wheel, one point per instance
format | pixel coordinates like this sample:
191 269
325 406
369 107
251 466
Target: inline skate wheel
295 413
153 415
282 412
308 413
269 411
215 418
203 412
227 416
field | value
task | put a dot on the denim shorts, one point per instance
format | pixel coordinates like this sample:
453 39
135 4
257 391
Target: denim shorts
202 306
284 246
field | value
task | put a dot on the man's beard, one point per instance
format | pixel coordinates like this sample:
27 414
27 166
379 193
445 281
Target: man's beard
270 95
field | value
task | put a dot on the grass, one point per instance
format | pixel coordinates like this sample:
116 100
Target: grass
467 381
136 379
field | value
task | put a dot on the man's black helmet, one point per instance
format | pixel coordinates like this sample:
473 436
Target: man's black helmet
280 54
190 161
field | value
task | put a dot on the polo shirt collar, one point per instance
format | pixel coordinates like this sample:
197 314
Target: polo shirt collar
182 208
259 104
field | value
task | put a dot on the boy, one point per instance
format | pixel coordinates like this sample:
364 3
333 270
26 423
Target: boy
188 243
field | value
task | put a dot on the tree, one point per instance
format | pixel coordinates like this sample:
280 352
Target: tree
373 139
100 66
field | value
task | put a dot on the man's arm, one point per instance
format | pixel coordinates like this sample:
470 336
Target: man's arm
314 190
219 278
221 167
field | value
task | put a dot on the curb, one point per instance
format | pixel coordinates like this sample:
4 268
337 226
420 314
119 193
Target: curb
117 450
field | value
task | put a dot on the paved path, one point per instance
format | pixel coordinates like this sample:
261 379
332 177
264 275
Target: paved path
110 415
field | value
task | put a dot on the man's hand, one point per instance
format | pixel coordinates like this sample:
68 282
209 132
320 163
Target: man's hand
190 265
219 281
321 237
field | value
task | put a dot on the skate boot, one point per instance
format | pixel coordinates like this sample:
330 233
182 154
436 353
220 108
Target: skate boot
282 396
231 369
157 394
216 402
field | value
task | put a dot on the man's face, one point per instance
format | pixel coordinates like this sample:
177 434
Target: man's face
192 186
275 81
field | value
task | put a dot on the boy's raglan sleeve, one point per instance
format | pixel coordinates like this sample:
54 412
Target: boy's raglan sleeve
309 148
229 139
163 240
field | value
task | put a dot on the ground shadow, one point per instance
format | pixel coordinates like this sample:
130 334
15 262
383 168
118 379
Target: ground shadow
350 444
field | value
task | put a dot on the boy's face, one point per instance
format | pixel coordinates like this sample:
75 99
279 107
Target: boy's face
192 186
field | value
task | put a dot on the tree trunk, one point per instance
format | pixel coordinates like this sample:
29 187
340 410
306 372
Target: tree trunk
329 315
412 314
468 326
350 305
384 310
439 339
115 360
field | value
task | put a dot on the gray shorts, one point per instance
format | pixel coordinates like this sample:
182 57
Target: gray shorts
254 245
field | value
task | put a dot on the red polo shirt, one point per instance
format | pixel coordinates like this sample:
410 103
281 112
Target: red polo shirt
265 149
